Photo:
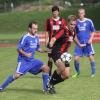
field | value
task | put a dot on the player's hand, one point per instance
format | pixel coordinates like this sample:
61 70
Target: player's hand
52 41
49 50
28 55
90 41
82 45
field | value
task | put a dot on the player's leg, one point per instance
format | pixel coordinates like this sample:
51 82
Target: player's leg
22 68
78 52
93 65
56 76
40 66
50 64
10 79
90 52
45 76
66 72
61 77
76 65
57 73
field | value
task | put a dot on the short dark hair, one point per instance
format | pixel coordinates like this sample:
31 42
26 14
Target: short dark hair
55 8
32 22
71 18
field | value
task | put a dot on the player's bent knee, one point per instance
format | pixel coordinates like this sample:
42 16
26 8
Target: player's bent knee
65 73
17 75
66 76
45 68
77 58
91 57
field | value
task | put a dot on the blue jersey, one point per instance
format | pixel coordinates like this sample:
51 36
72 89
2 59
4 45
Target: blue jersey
84 29
29 44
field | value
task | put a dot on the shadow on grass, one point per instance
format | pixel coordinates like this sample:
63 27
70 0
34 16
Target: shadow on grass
32 76
36 91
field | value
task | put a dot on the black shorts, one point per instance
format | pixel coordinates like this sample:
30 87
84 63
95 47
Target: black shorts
55 55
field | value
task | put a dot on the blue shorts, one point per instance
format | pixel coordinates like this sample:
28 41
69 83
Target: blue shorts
85 51
33 67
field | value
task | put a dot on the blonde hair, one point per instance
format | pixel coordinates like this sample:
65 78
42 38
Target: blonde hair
81 9
71 18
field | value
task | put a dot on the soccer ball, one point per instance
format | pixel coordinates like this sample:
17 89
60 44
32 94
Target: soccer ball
66 57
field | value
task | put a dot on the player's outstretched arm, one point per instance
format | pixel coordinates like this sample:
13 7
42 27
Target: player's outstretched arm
42 51
52 41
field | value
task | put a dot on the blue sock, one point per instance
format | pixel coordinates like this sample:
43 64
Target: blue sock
45 77
77 66
93 67
7 82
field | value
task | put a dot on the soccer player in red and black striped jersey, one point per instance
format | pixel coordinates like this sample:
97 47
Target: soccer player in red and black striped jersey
59 46
54 26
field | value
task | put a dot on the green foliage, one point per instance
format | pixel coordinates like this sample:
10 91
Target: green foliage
19 1
17 22
46 2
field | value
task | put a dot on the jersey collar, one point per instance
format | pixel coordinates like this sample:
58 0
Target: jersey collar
31 35
82 20
55 19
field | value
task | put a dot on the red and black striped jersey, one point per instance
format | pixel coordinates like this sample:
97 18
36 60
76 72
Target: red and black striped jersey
54 27
64 42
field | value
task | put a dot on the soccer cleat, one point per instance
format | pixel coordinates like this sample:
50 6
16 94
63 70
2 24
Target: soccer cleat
75 75
1 89
93 75
51 88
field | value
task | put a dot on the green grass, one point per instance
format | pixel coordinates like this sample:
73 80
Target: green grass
9 38
29 87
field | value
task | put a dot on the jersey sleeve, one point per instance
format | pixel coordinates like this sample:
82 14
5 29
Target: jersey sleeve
92 28
59 34
21 43
47 25
64 22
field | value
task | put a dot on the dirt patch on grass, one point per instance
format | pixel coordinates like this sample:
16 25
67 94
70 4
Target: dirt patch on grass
4 45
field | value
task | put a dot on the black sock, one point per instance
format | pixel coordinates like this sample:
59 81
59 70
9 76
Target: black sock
56 78
50 66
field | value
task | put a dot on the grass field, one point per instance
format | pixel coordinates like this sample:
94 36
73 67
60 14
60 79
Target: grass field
29 87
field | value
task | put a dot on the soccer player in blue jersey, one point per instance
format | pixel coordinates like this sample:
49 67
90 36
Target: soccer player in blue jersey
84 32
27 46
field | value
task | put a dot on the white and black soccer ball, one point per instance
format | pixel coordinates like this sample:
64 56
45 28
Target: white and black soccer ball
66 57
